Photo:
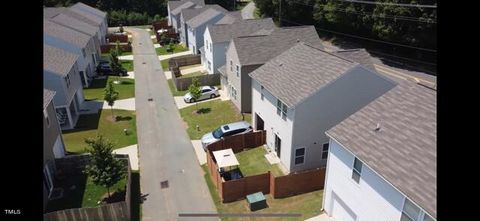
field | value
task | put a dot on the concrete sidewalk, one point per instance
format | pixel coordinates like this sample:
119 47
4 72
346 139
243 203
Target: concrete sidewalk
167 56
132 152
126 57
181 103
131 75
201 155
321 217
92 107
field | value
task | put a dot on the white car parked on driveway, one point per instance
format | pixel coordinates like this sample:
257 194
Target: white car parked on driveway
207 93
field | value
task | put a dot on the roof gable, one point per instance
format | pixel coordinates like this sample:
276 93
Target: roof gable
57 60
66 34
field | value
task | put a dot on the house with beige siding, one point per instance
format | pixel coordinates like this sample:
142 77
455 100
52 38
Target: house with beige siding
301 93
382 159
247 53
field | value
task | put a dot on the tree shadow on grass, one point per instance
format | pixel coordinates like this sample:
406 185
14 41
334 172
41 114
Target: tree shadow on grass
73 187
122 118
204 110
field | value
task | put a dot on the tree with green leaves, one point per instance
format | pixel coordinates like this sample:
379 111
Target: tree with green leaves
171 47
104 169
194 90
111 95
114 62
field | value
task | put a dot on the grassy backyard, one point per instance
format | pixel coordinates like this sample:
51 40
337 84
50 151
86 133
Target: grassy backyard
308 204
89 125
215 113
126 88
128 65
163 50
194 74
253 162
85 193
165 64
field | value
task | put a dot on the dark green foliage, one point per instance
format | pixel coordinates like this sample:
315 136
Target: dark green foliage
194 89
110 96
104 169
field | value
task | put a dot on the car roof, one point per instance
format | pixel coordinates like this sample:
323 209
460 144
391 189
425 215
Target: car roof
235 126
207 87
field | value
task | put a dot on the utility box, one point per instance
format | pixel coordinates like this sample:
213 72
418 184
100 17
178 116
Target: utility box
256 201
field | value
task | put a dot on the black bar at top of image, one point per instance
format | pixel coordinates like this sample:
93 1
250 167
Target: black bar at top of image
239 215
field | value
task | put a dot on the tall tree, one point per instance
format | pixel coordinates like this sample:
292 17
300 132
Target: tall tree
104 169
195 91
111 95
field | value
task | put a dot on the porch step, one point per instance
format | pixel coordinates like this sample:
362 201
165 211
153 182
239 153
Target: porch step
272 158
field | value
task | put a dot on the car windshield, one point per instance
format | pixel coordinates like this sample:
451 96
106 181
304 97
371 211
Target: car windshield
217 133
211 87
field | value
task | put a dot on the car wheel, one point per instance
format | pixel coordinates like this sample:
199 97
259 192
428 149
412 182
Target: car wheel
192 100
212 96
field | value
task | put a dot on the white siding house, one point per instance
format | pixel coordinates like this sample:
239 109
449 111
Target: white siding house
75 42
197 26
382 159
93 14
296 104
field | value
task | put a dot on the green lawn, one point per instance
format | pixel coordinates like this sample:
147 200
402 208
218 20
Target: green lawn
89 125
96 91
253 162
216 113
163 50
85 193
165 64
128 65
308 204
173 89
194 74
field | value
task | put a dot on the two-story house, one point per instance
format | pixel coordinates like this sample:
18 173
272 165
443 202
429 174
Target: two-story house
93 14
75 42
218 36
61 74
188 14
53 146
247 53
382 159
301 93
197 25
174 9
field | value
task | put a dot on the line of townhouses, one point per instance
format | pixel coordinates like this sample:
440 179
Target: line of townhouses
375 133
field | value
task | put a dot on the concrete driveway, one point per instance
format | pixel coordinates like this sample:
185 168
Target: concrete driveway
167 56
170 175
181 104
132 152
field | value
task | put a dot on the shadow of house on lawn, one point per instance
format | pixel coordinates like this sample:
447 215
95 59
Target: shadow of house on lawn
86 122
99 83
73 190
203 110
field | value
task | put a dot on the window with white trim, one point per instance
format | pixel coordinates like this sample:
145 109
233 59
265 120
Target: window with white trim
300 156
357 170
325 151
231 66
206 44
211 47
411 212
67 80
83 52
282 109
234 93
209 65
238 71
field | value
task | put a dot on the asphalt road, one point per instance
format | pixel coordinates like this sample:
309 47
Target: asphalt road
165 150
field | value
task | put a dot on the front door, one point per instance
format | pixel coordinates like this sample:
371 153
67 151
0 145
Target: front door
259 122
278 145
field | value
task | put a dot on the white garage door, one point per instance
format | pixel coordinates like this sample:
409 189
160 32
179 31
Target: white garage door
341 212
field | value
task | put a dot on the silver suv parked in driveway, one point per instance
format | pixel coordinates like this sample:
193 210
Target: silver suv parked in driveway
207 92
225 131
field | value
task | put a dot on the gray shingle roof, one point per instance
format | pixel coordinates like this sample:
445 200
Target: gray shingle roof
175 4
261 48
189 13
75 24
57 60
47 97
89 9
90 16
66 34
178 9
50 12
224 33
89 19
203 17
404 150
231 17
299 72
359 55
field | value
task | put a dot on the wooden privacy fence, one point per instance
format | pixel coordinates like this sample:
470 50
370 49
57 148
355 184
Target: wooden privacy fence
160 25
240 142
279 187
176 62
106 48
113 38
119 211
297 183
183 83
